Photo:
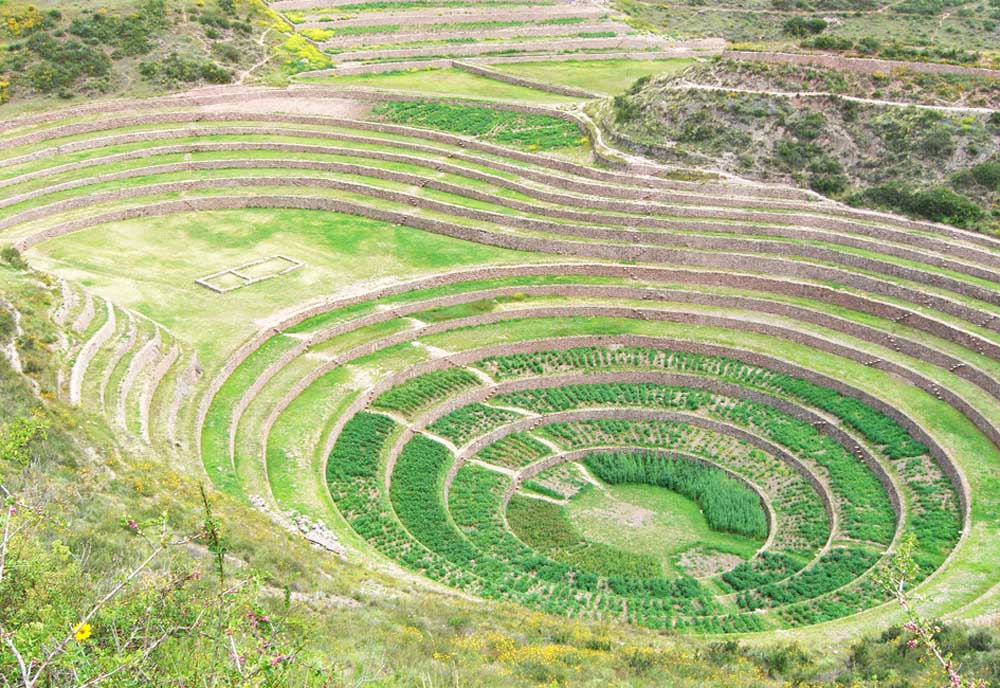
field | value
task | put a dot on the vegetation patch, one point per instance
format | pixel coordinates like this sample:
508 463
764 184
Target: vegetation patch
915 161
534 132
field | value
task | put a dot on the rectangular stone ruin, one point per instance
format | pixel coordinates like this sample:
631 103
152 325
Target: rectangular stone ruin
231 279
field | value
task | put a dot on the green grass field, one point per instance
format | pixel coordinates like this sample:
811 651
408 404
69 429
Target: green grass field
445 82
341 253
653 521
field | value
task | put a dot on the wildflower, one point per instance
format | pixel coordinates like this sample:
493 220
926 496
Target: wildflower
275 661
82 631
912 643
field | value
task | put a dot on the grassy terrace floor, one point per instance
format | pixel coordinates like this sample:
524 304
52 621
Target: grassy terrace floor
651 521
445 82
172 251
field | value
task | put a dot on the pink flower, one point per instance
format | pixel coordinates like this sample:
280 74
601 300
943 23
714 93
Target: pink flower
912 643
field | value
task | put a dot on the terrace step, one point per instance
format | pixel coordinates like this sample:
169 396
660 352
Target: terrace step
142 358
459 15
445 33
87 353
555 45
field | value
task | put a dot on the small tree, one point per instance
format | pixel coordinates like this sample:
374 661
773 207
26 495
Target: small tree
900 573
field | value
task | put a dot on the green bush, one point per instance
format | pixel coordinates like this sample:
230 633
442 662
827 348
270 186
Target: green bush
625 109
804 26
937 204
12 257
177 69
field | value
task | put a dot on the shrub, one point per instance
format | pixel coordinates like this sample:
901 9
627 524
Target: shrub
804 26
63 63
22 21
638 84
186 70
226 51
938 204
808 126
128 34
987 174
829 43
625 109
12 257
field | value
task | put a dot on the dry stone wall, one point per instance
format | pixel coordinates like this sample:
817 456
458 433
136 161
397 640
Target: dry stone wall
863 65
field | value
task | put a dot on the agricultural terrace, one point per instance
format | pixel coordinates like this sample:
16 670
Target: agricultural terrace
478 345
358 38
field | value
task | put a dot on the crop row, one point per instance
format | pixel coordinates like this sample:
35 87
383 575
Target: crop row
876 426
537 132
516 450
421 391
469 421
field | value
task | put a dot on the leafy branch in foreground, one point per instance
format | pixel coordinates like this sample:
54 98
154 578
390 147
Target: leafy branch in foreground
897 575
159 612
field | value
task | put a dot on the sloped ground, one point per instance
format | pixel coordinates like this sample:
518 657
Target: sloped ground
936 161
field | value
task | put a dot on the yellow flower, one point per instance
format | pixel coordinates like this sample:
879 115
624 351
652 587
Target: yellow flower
82 631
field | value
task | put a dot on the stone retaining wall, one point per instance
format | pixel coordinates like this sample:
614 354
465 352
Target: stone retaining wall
189 117
794 312
496 75
87 353
143 357
798 337
727 190
349 68
761 360
863 65
801 224
152 385
407 35
463 15
556 45
236 95
745 281
480 394
738 262
649 252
